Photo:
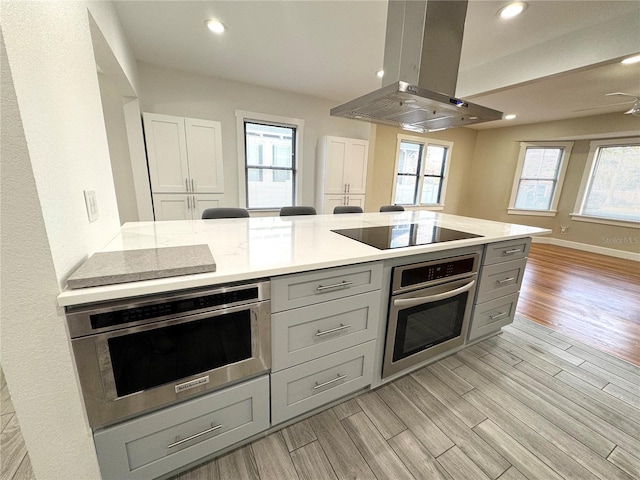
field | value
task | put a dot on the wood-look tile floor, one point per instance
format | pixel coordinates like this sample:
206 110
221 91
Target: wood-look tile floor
530 403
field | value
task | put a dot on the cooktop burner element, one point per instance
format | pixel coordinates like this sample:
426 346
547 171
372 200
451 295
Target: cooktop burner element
407 235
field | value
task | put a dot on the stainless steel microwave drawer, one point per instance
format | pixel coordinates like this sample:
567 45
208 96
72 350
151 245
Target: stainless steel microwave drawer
506 251
500 279
307 333
308 288
161 442
489 317
302 388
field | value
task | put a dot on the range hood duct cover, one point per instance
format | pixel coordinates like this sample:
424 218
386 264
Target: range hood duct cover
421 61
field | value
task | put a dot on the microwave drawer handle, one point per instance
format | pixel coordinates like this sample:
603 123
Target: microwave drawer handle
409 302
204 432
342 284
332 330
337 379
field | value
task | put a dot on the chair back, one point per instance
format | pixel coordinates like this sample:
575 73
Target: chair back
224 212
347 209
297 210
392 208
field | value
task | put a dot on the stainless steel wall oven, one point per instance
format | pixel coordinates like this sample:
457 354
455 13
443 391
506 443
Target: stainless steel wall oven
429 310
139 355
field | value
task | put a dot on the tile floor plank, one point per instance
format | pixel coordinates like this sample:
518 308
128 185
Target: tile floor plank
312 464
534 358
459 466
512 474
622 394
627 461
542 335
611 377
298 435
5 419
507 357
538 347
273 459
454 382
206 471
13 449
24 472
451 362
376 451
612 364
344 409
421 464
387 423
238 465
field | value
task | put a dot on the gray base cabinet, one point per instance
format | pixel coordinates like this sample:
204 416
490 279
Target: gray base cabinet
158 443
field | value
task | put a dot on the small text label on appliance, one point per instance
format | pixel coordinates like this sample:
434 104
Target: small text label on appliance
192 384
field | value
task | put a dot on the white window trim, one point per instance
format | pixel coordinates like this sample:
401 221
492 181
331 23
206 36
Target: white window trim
564 162
425 141
241 117
584 185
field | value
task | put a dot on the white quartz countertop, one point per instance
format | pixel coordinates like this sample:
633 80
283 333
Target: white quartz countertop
259 247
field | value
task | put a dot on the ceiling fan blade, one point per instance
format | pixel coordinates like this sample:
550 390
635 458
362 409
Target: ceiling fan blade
603 106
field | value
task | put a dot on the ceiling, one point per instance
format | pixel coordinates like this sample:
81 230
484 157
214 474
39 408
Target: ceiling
557 60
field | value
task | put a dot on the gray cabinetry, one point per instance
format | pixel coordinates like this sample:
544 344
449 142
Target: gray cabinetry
500 278
158 443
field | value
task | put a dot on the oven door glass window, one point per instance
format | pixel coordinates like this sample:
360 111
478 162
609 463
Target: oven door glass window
162 355
428 324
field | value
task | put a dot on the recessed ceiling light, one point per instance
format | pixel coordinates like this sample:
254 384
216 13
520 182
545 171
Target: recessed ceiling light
380 73
512 10
215 26
629 60
511 116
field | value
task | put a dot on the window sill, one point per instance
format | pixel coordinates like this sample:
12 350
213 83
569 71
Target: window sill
605 221
537 213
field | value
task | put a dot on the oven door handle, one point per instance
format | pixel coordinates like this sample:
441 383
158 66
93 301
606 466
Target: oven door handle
410 302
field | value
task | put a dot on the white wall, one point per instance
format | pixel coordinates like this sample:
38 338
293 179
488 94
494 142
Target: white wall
176 92
54 146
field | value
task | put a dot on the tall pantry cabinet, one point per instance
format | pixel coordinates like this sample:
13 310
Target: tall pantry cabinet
341 172
185 165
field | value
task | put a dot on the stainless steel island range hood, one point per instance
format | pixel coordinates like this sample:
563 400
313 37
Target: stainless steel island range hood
421 60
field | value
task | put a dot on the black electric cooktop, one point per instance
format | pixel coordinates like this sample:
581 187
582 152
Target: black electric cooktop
407 235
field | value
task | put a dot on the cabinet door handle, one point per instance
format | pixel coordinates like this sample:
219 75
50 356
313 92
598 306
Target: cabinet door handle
348 187
186 184
204 432
506 280
512 251
498 315
193 185
345 201
188 202
333 330
343 284
337 379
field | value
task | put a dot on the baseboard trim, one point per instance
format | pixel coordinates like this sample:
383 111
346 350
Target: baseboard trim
612 252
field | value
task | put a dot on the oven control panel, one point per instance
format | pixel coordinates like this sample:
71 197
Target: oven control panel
409 277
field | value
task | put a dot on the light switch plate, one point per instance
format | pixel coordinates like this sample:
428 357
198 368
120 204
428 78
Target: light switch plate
92 204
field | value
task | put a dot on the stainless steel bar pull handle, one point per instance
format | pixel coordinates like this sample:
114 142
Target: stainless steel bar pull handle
188 202
511 252
322 288
186 184
410 302
333 330
498 315
185 440
506 280
337 379
193 185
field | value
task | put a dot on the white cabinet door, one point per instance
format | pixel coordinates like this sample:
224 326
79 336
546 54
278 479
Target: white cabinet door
167 153
204 154
337 150
355 167
201 202
331 201
167 206
357 200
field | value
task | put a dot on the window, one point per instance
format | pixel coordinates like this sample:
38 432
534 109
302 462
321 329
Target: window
421 171
269 146
610 189
539 176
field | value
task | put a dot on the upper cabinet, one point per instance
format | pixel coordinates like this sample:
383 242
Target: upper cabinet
341 171
185 154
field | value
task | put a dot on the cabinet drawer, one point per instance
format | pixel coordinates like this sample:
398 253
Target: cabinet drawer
163 441
299 389
303 334
500 279
506 251
490 316
300 290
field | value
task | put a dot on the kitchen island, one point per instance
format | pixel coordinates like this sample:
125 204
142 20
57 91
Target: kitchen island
319 324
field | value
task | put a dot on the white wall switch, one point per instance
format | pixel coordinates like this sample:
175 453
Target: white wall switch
92 204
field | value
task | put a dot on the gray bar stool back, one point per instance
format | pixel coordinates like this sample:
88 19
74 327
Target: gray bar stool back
347 209
298 210
224 212
392 208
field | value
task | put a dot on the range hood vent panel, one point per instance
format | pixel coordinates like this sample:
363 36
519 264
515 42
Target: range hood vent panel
421 60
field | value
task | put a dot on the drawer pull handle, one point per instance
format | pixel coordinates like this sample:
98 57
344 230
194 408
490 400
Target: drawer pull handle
506 280
498 315
333 330
204 432
512 251
322 288
337 379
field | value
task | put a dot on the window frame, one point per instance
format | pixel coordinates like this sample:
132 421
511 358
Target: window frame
587 176
552 211
243 116
425 142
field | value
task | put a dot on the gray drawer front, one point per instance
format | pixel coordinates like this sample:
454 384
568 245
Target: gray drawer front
299 389
500 279
307 333
506 251
300 290
138 449
489 317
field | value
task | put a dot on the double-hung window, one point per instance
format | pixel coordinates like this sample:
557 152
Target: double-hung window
421 171
539 177
610 188
269 147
